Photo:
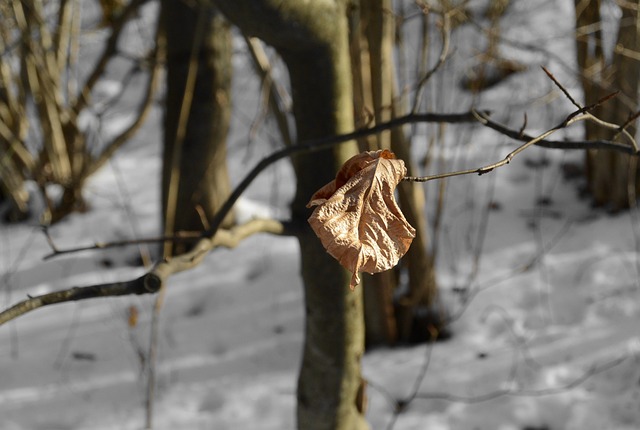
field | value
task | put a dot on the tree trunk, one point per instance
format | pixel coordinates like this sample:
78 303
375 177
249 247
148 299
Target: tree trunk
195 181
609 173
330 375
373 33
313 41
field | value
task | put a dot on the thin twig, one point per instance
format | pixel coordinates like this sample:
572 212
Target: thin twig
473 292
444 52
562 88
273 95
572 118
593 371
633 116
110 50
481 233
524 125
143 111
400 405
620 129
484 119
185 236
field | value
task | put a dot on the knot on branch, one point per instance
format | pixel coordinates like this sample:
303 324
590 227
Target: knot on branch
152 283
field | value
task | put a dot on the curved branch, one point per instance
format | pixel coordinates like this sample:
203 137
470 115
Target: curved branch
507 159
135 286
484 119
152 281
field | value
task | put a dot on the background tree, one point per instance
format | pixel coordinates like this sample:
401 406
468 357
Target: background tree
603 70
195 181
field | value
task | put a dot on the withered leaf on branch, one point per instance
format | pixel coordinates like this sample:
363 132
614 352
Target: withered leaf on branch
357 218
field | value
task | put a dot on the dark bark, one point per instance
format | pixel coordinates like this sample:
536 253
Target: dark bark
197 154
609 173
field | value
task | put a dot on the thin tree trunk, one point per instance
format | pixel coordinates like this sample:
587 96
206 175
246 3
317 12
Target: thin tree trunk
378 289
608 172
195 181
376 81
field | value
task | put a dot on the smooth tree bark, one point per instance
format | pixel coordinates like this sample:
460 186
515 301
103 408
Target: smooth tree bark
611 175
330 378
312 38
195 180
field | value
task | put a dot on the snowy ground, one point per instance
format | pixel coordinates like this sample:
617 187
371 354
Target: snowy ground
548 338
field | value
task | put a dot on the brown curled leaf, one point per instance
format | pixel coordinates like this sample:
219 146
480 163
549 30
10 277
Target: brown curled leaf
357 218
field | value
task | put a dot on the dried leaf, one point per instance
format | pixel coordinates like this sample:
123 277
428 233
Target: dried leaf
357 218
132 318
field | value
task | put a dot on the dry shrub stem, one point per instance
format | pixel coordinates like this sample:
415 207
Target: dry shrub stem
46 57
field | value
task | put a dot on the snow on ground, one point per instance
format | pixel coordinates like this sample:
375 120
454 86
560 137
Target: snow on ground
545 335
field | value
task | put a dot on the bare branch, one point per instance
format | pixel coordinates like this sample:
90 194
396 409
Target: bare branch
585 109
224 238
136 286
273 95
561 87
524 125
400 405
633 116
143 110
515 391
152 281
484 119
185 236
110 50
444 52
570 119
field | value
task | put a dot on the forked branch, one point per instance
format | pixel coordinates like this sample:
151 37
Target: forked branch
151 281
